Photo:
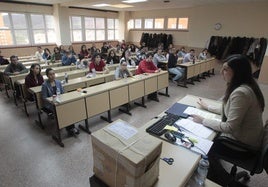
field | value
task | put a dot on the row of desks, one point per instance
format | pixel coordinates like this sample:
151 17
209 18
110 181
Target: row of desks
197 68
103 98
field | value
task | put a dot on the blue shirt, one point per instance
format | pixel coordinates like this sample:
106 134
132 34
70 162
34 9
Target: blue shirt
68 61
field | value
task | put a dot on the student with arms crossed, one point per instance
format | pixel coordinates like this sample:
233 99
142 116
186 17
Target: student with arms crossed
147 66
243 105
15 67
98 65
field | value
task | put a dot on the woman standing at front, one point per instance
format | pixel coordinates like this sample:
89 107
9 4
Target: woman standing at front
243 105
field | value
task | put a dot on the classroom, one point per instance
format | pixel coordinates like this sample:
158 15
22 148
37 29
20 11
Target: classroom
39 149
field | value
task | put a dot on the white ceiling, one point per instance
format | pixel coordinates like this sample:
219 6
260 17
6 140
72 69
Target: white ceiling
149 5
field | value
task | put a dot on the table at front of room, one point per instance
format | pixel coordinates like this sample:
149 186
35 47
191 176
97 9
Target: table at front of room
185 161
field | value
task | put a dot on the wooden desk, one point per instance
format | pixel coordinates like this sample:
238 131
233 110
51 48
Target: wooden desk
199 67
185 161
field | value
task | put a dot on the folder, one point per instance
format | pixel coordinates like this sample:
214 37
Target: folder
178 109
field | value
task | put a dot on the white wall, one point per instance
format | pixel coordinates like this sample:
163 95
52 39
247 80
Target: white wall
243 19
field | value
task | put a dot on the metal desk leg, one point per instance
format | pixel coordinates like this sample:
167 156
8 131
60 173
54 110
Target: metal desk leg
39 112
126 110
85 128
57 137
142 104
108 119
165 94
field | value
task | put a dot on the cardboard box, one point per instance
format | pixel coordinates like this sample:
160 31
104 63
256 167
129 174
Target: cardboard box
125 156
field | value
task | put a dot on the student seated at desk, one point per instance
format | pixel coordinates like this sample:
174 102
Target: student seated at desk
98 64
159 57
3 61
49 88
71 49
181 52
173 68
203 55
68 59
46 55
122 71
34 78
56 55
189 57
39 54
15 67
147 66
243 105
112 58
126 56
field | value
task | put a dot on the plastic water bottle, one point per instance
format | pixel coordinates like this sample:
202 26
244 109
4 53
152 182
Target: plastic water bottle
76 63
125 77
58 94
202 171
66 77
112 62
94 72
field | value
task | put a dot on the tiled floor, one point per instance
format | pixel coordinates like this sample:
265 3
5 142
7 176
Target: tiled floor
29 157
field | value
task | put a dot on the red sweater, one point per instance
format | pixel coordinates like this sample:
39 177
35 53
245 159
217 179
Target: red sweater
99 67
146 67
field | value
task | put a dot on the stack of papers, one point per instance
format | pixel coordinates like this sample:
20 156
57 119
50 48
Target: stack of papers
196 111
195 128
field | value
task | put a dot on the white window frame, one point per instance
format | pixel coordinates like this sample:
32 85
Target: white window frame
29 29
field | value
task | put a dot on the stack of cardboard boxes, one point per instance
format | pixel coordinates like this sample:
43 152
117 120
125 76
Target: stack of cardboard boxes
125 156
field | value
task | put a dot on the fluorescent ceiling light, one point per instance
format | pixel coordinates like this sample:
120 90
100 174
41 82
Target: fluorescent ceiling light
101 5
121 6
134 1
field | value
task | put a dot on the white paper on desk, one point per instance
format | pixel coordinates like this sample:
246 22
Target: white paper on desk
195 128
123 129
202 146
204 114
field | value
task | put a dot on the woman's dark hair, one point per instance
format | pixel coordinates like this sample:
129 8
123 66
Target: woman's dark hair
56 48
95 55
242 74
112 50
149 54
46 50
48 70
33 66
82 46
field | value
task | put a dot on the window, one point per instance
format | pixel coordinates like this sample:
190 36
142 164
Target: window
93 29
20 28
76 28
148 23
42 28
183 23
112 26
130 24
15 29
5 30
172 23
138 24
159 23
90 28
